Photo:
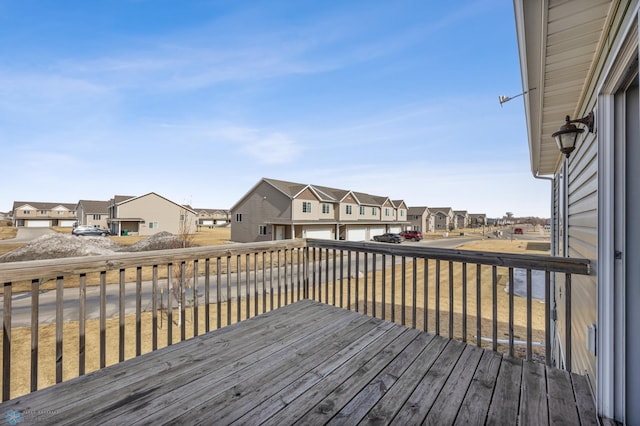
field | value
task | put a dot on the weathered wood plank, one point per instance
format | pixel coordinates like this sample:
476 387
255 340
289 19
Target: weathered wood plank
360 405
506 395
386 408
271 403
584 400
250 371
478 397
324 410
534 409
562 406
448 403
329 376
530 261
415 409
270 326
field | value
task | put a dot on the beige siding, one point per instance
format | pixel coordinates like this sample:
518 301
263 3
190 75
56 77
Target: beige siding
156 209
263 204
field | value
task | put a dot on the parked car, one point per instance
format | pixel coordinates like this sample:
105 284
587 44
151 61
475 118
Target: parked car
389 238
411 235
518 231
89 231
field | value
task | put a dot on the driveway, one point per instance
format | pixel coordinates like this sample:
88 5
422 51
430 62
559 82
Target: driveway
27 234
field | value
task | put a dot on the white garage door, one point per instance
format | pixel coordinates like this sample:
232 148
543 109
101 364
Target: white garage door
395 229
375 230
67 223
357 234
38 224
320 233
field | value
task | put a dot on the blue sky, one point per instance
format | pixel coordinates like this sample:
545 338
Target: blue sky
198 100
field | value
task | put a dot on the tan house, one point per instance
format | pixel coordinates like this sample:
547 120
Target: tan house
444 219
276 210
421 219
579 63
212 217
461 218
32 214
477 220
149 214
91 212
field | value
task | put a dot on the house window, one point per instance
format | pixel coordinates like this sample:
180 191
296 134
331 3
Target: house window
325 208
374 211
238 217
386 212
183 217
306 207
60 212
97 217
401 213
44 211
362 211
26 211
153 225
262 230
349 209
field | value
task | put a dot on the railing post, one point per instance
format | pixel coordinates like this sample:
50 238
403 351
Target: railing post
81 324
511 292
35 328
6 343
59 326
547 317
529 332
479 305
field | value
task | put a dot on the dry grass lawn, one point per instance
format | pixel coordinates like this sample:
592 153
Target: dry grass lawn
412 287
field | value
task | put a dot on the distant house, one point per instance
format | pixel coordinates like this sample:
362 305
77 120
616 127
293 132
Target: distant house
149 214
421 219
35 214
477 220
461 218
91 212
212 217
276 210
443 218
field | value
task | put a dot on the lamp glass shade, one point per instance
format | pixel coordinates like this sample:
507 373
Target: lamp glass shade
566 138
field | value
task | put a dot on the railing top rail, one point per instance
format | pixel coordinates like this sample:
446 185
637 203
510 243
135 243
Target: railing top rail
50 268
526 261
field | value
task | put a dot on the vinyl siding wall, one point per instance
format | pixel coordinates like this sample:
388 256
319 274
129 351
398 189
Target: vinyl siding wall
262 204
582 242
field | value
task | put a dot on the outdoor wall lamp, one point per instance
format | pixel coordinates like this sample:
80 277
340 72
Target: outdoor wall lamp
567 135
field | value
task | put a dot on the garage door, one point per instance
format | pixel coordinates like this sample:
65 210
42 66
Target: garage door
357 234
320 233
395 229
375 230
67 223
38 224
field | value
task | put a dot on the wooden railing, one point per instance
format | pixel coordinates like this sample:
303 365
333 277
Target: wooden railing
49 304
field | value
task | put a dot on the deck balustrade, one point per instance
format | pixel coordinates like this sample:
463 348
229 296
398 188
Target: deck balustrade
154 299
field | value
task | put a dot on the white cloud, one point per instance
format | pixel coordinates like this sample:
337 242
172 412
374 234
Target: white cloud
273 148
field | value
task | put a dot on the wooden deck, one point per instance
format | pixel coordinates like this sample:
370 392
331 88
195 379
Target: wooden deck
311 363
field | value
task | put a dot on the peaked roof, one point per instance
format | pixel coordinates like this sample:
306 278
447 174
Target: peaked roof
157 195
43 205
93 206
324 193
417 210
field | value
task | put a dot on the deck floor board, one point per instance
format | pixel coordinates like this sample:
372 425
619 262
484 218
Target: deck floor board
311 363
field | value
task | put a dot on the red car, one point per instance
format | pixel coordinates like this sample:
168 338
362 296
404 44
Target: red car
412 235
518 231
